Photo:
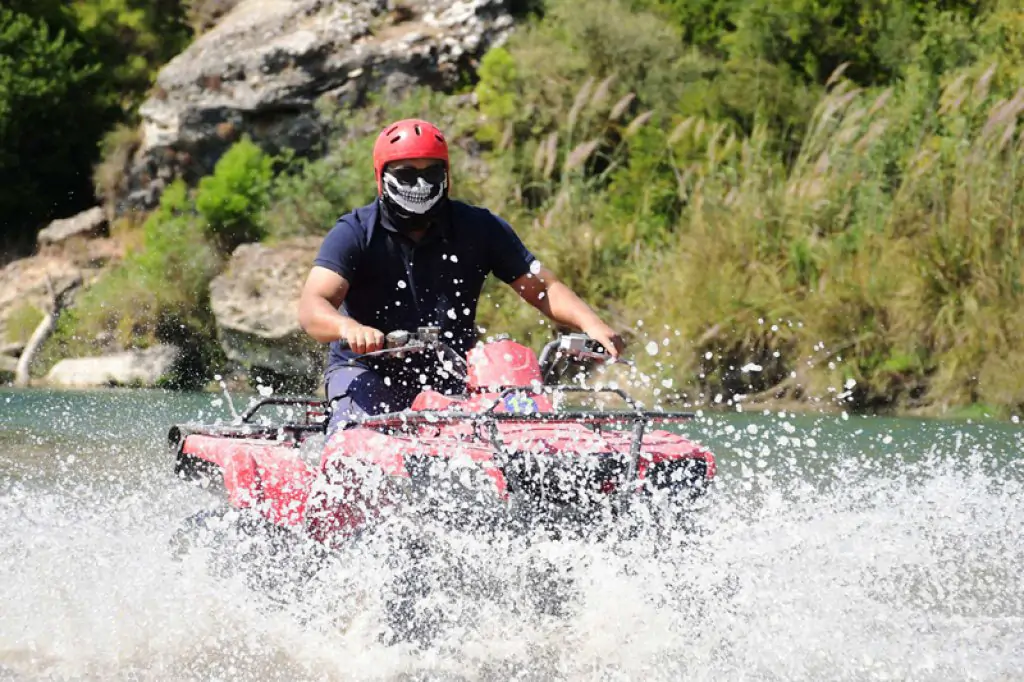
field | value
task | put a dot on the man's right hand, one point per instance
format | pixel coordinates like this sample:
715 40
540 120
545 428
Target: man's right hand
360 338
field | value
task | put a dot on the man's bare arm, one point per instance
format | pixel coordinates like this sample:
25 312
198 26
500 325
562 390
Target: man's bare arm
322 295
559 303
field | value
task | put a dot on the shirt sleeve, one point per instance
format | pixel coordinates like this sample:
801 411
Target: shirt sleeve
509 257
340 250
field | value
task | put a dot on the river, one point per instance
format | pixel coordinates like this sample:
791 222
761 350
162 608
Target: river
855 549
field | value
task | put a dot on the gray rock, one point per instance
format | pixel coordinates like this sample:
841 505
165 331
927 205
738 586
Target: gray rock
255 302
129 368
87 224
261 70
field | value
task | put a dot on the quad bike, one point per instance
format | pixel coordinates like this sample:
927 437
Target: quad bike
515 454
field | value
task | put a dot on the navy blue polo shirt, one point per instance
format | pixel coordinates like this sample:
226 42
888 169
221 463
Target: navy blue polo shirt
396 283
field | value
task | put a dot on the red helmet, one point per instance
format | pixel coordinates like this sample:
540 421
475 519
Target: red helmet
410 138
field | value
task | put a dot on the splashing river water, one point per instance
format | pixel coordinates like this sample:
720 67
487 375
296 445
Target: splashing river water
847 548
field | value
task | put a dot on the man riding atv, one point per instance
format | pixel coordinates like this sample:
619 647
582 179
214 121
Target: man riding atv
414 257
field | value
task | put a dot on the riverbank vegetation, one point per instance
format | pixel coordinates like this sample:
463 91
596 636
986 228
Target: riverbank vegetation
808 200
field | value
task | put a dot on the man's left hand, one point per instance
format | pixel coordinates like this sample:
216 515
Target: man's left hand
607 337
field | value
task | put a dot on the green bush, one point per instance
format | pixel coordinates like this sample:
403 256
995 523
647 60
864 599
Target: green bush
69 72
129 40
22 322
42 72
159 294
232 200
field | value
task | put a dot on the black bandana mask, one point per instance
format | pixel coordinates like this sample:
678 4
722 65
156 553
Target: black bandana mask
412 197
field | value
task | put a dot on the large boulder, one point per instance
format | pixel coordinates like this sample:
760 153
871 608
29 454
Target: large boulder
85 225
141 368
81 239
263 68
255 302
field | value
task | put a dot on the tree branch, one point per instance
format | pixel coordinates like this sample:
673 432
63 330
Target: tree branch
59 301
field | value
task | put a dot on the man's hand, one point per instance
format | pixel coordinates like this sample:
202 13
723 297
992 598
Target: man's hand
360 338
607 337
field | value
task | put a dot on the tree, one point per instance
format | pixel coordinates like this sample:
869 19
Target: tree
48 123
70 72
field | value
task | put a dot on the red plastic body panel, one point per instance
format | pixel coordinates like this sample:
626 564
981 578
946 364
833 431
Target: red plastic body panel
499 364
362 470
269 477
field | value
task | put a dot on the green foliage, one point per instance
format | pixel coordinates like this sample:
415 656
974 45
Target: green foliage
497 91
69 72
159 294
117 149
232 200
22 321
130 39
42 77
855 242
877 38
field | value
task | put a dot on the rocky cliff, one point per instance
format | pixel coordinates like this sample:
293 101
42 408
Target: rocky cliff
265 66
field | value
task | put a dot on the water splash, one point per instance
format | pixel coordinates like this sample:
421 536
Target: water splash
831 554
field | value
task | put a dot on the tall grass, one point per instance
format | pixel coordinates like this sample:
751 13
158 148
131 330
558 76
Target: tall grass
881 269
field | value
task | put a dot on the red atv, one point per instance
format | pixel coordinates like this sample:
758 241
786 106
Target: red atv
515 453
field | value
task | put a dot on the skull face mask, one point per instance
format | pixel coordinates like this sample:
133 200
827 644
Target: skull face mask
412 196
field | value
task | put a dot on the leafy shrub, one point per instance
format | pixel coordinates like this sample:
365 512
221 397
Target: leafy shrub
159 294
848 241
88 62
232 200
117 149
42 71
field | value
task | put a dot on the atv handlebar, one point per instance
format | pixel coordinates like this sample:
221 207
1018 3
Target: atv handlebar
399 343
578 347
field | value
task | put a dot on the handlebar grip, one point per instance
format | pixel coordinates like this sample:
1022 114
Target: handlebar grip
392 341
